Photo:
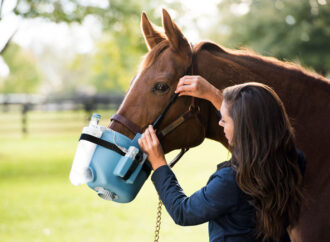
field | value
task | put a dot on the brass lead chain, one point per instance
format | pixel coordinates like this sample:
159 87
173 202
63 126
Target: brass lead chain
158 220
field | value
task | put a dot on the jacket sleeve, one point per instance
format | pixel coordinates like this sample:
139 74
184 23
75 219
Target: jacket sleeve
219 196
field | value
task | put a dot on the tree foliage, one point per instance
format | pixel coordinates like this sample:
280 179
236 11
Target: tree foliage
116 62
114 14
295 30
25 77
117 54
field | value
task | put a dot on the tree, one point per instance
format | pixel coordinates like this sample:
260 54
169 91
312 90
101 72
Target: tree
114 14
295 30
25 77
118 53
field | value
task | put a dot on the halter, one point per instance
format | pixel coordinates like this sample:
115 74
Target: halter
192 111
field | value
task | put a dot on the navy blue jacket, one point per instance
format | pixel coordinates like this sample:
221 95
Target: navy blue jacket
221 203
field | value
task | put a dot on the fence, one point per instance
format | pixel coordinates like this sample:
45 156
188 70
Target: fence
22 113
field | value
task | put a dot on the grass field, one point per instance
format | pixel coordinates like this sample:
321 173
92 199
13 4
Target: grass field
38 202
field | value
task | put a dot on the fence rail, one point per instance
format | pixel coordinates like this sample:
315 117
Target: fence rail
23 114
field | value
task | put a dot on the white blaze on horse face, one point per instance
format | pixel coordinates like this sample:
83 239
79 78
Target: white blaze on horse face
134 80
131 87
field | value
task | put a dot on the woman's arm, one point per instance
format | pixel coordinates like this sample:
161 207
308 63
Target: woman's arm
197 86
220 195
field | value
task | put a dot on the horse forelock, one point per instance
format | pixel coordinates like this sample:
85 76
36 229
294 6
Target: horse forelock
153 54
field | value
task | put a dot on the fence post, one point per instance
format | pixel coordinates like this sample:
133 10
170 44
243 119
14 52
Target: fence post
25 109
89 107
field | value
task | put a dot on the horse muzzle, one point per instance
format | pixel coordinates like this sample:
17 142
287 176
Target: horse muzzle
117 168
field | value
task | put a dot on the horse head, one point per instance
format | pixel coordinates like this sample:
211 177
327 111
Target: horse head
169 58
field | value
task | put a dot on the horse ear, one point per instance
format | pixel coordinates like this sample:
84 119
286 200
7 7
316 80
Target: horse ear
174 34
151 36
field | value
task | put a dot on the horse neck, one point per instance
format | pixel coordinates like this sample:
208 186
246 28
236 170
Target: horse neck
305 95
221 73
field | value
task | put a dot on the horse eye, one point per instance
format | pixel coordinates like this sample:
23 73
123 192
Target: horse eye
160 87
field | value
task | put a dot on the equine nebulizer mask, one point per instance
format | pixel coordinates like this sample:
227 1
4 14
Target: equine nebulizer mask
110 163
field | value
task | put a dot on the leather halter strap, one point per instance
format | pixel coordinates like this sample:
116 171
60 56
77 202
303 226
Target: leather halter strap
176 123
161 116
193 111
127 123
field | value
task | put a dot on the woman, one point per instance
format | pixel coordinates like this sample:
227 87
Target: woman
256 195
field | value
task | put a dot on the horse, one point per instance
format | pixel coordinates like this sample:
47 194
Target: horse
306 97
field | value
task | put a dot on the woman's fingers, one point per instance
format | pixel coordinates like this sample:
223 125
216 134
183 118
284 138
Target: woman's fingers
149 143
184 89
142 143
153 135
186 80
195 86
189 90
186 85
149 139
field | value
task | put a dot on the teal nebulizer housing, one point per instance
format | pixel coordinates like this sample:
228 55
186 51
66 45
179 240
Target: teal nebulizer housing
110 163
119 177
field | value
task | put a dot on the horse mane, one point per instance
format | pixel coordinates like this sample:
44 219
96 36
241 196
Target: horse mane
258 59
227 53
152 55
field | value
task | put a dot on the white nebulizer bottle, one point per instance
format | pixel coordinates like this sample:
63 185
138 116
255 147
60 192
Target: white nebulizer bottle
80 171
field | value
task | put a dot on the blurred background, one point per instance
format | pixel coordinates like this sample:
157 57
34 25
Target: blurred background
62 60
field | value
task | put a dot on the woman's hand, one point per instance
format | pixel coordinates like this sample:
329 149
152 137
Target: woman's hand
151 146
197 86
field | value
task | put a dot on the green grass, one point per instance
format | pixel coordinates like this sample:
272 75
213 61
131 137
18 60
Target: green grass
38 202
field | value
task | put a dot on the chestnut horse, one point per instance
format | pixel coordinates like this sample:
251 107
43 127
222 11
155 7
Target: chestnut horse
305 95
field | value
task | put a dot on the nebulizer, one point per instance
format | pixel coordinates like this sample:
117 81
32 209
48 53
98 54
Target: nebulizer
110 163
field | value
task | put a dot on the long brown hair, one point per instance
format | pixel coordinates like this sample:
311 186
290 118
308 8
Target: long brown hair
264 156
